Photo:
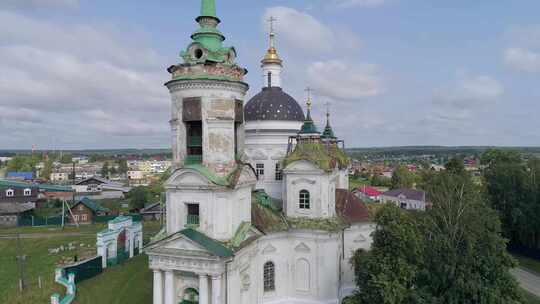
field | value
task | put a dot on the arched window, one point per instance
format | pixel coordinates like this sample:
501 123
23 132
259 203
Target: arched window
304 199
269 276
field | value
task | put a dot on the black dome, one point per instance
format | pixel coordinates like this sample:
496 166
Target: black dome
273 104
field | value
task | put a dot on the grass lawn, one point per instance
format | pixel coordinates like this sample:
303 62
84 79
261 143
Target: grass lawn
129 283
530 298
40 263
528 263
355 183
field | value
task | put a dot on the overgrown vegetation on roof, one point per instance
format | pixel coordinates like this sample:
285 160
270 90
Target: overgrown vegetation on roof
226 181
328 224
325 157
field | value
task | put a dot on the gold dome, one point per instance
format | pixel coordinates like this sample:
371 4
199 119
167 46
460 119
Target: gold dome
271 56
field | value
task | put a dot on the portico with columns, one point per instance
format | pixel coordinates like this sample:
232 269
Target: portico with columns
188 261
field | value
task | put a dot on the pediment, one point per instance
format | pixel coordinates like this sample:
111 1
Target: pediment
178 242
269 249
302 247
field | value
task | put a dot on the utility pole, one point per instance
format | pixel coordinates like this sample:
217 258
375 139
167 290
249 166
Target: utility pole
20 260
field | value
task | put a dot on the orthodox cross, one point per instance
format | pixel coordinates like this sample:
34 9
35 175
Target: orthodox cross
327 104
271 20
309 92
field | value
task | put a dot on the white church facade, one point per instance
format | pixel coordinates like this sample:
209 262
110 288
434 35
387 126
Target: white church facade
258 206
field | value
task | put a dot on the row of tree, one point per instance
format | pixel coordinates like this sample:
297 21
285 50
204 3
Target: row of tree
452 253
512 186
117 167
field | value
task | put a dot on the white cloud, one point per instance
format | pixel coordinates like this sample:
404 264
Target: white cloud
523 54
56 77
341 80
469 91
30 4
304 35
522 59
360 3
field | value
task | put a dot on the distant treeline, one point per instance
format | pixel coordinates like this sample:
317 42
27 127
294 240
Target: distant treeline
435 150
103 152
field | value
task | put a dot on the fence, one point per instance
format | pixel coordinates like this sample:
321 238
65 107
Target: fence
86 269
39 221
36 221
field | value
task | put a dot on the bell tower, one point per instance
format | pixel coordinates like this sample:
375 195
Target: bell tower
207 92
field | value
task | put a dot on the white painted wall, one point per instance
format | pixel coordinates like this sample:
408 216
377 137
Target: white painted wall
221 210
303 175
266 142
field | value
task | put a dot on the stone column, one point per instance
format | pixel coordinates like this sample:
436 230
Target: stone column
158 287
131 244
203 289
169 287
104 255
216 289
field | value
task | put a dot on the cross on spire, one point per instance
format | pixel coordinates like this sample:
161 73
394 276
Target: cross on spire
308 103
327 104
272 20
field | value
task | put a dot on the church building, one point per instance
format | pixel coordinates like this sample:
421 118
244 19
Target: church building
258 206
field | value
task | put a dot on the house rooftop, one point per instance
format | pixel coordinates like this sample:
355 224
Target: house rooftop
412 194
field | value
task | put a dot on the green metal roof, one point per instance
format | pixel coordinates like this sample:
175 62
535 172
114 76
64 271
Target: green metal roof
15 184
92 205
120 219
218 180
309 126
207 243
52 188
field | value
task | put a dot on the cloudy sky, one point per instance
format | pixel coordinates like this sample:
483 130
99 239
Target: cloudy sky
89 73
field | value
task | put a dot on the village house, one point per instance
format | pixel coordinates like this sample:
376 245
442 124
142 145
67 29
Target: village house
152 212
16 199
59 176
410 199
367 192
100 188
85 210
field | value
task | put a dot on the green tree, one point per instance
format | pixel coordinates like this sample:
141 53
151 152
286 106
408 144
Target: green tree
512 187
455 166
388 272
22 163
122 166
66 158
402 178
139 196
452 253
380 181
113 170
105 170
47 169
